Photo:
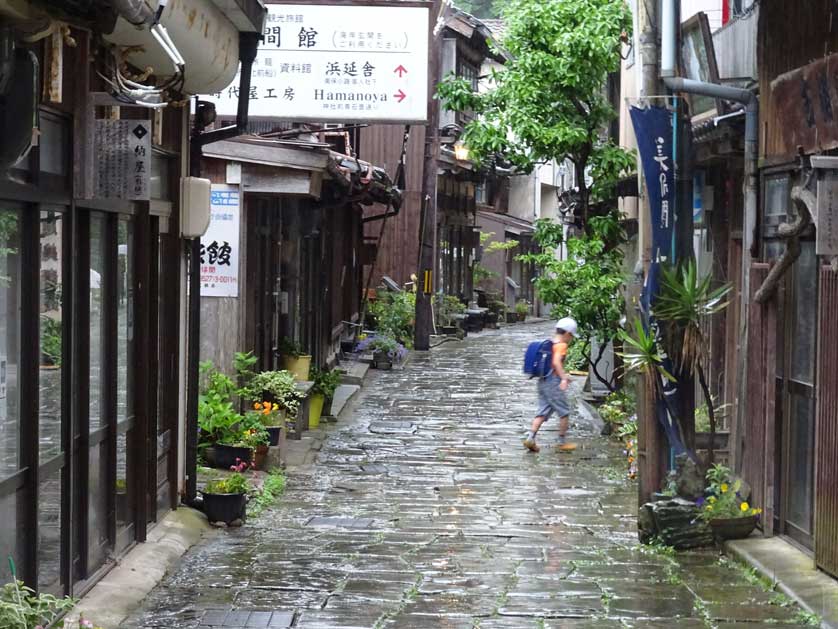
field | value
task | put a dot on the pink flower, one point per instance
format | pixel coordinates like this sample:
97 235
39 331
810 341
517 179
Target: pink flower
86 623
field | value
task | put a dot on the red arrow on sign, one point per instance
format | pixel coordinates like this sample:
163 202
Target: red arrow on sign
400 96
401 70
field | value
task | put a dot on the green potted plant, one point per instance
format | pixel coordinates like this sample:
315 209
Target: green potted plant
325 384
385 350
224 499
279 387
272 418
728 513
294 359
522 309
449 308
219 423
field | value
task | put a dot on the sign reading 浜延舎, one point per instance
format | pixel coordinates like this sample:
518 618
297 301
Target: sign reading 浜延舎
345 63
220 244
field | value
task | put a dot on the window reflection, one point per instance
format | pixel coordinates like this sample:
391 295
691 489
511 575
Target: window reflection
9 341
124 393
12 532
51 300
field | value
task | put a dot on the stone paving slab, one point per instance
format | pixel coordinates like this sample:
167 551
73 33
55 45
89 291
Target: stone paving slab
423 510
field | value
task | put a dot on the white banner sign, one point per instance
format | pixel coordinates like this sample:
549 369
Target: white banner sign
339 63
220 245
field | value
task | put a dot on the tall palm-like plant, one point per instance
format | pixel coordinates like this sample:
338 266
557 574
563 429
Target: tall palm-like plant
683 303
642 354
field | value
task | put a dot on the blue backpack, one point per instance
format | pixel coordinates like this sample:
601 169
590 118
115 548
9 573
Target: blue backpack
538 359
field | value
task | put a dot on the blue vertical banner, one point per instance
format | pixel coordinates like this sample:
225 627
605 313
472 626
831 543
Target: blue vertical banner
653 129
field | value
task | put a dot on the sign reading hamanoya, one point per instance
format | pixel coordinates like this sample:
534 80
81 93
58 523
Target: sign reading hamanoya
345 63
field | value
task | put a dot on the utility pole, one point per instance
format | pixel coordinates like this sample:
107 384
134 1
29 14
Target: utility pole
428 215
651 442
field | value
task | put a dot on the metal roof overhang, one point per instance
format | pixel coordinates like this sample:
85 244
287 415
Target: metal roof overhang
517 226
314 158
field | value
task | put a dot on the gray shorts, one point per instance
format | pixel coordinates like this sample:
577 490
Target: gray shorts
551 399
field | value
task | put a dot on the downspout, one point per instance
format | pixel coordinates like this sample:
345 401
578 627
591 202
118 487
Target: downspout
248 45
669 27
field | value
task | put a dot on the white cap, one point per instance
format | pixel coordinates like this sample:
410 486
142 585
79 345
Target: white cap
567 324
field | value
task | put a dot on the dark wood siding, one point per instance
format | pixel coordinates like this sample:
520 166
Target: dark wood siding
757 440
792 34
399 251
826 431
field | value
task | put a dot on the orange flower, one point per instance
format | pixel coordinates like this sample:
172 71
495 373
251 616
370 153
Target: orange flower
257 406
267 411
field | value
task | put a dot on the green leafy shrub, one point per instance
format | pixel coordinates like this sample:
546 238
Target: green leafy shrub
217 417
272 489
394 314
235 483
289 348
51 340
577 357
325 382
723 499
280 386
21 608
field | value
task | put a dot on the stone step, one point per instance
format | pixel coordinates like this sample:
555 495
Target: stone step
343 394
354 371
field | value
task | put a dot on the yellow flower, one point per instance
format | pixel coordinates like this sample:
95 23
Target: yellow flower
724 488
711 499
756 511
744 506
276 407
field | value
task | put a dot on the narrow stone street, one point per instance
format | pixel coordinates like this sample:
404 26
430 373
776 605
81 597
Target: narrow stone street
425 511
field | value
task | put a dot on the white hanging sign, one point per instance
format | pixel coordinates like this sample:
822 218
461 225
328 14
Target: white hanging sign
339 62
220 244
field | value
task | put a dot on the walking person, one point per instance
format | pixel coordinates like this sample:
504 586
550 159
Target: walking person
552 396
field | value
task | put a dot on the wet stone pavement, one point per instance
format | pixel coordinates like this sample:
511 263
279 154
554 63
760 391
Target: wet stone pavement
425 511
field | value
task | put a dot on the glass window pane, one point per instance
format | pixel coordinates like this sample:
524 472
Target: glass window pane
51 298
9 342
12 533
801 482
97 320
805 315
53 145
777 195
124 391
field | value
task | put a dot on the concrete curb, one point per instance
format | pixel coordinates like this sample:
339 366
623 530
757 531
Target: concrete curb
794 573
126 586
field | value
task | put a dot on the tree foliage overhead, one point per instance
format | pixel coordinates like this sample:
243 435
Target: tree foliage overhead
548 100
482 8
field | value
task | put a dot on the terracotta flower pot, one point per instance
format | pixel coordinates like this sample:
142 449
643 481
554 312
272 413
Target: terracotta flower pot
733 528
260 457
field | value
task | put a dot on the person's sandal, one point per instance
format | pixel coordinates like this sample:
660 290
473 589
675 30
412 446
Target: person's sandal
531 445
566 447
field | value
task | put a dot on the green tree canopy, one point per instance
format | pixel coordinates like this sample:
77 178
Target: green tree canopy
548 101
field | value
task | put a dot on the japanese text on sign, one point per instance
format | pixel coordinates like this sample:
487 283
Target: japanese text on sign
220 244
123 159
339 62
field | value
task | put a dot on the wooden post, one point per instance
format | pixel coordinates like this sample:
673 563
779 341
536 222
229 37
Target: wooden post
428 222
651 441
